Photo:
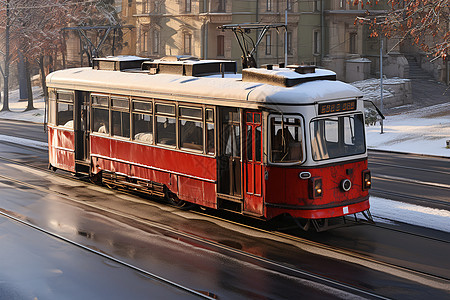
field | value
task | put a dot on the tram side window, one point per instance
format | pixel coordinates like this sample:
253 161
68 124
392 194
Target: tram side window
210 149
165 124
286 140
120 123
64 108
120 117
101 120
65 114
191 128
143 121
100 114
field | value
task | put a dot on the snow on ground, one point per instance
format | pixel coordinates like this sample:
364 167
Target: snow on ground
17 107
409 213
421 131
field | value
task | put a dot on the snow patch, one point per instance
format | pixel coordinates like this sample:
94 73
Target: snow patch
434 218
24 142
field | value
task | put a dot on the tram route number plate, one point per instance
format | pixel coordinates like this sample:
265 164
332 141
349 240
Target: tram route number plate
335 107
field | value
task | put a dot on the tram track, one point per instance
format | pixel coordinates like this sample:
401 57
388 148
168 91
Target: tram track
155 277
355 257
195 239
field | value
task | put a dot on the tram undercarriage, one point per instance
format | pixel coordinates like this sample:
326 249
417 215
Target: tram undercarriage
330 223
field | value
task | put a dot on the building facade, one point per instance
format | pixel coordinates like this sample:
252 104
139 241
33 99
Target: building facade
190 27
321 32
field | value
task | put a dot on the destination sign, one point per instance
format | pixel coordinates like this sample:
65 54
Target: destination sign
335 107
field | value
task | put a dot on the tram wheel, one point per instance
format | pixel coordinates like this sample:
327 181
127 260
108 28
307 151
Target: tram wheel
177 202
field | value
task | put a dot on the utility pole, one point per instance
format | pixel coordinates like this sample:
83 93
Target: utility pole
6 70
381 82
285 35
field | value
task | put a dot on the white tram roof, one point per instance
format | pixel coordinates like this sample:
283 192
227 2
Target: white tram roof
200 89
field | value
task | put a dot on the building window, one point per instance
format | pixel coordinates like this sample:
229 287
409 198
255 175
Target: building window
289 6
289 42
156 41
220 45
187 43
268 43
145 6
187 6
316 42
316 5
156 8
352 42
268 5
144 40
222 6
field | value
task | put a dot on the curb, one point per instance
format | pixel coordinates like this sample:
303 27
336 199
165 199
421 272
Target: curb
408 153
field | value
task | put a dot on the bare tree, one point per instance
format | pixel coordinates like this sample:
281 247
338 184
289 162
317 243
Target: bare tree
34 27
425 22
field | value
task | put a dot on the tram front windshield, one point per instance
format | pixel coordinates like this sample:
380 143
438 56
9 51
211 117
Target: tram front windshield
339 136
286 140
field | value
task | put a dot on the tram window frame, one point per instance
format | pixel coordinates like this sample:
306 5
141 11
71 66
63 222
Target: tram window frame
103 108
120 111
190 118
164 119
68 102
210 132
301 135
52 112
329 149
146 128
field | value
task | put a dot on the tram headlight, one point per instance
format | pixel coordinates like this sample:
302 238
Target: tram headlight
315 187
367 180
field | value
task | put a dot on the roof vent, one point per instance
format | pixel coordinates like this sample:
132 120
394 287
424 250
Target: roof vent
189 67
118 63
286 77
178 58
302 69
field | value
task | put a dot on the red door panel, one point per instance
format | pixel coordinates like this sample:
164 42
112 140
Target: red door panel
253 196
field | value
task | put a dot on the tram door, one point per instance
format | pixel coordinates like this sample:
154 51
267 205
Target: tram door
252 163
230 152
81 118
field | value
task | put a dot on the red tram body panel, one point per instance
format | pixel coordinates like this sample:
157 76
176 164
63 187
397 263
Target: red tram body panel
191 177
287 193
61 149
292 144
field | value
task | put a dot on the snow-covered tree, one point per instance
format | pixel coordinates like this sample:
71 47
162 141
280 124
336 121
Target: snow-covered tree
425 22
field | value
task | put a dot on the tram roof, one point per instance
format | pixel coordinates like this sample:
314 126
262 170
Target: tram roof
213 87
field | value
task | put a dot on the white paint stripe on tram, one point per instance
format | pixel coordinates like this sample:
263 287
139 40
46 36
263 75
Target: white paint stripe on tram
24 142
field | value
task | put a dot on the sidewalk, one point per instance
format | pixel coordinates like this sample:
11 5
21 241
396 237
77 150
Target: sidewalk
425 93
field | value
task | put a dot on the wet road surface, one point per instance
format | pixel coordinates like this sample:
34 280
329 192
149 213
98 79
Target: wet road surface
147 234
169 242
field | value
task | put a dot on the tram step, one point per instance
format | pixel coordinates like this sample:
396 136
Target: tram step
82 167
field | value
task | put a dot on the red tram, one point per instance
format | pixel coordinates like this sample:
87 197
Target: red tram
269 142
